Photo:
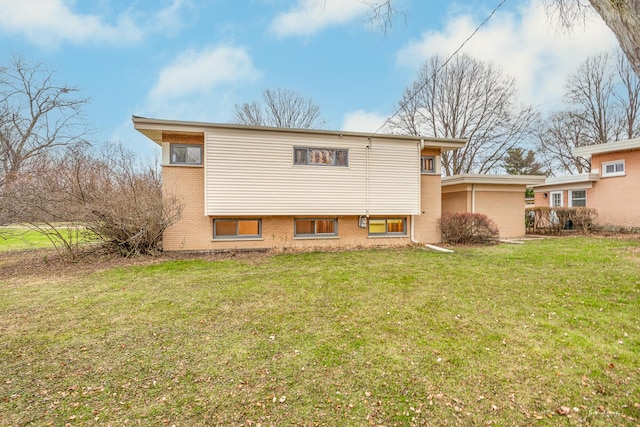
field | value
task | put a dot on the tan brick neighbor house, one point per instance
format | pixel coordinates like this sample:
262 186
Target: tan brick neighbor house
248 187
611 188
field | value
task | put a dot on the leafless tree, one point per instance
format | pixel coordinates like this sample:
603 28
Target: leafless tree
36 116
562 132
465 98
280 108
603 104
86 195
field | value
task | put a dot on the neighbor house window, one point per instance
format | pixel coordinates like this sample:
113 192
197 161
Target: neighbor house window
428 164
185 154
556 199
578 198
237 228
315 227
320 156
387 226
613 168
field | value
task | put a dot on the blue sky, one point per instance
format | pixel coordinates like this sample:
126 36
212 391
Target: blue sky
195 59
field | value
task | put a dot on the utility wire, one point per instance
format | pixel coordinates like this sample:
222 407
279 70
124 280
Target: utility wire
444 64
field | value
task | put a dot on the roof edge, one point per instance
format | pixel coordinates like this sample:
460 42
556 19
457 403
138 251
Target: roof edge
608 147
493 179
145 123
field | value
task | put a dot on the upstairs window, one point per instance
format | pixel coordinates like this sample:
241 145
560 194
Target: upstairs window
186 154
613 168
320 156
428 164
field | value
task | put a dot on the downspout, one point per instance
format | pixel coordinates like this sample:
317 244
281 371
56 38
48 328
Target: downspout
366 209
473 198
413 217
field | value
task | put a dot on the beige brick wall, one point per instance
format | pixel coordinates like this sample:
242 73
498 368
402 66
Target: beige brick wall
617 199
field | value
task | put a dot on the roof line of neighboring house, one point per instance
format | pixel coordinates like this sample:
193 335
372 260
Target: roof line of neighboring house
468 178
153 128
569 179
609 147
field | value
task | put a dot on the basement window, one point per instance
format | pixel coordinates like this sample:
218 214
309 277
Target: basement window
237 228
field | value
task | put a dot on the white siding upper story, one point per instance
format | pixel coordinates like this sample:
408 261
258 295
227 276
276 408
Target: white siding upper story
253 173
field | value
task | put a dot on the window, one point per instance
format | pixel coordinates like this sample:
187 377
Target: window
237 228
428 164
320 156
613 168
315 227
183 154
556 199
390 226
578 198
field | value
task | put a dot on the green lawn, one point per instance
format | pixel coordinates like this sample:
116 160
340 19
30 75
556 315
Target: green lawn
18 238
546 333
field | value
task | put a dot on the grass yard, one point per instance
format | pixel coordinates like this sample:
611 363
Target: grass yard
541 334
21 238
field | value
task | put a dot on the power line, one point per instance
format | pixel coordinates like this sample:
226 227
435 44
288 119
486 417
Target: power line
444 64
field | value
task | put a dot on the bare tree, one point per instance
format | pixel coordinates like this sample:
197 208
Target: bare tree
280 108
36 116
86 195
465 98
563 132
590 91
603 104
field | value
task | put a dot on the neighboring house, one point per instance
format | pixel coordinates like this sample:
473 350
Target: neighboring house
611 188
499 197
256 187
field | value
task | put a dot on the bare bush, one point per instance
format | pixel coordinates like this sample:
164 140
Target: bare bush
88 196
467 228
555 220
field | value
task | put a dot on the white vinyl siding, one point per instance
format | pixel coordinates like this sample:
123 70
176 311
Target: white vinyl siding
254 174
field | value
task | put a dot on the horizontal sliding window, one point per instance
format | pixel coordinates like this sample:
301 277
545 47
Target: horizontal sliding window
185 154
315 227
613 168
387 226
320 156
237 228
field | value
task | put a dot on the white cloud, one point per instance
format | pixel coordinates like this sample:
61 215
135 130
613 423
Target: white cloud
363 121
527 45
201 84
311 16
51 22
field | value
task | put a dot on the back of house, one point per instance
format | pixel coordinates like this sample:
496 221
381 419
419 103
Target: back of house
249 187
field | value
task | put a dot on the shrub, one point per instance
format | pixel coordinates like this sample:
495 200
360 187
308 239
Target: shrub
544 219
467 228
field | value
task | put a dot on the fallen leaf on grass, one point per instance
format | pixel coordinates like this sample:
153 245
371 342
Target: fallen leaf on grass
563 410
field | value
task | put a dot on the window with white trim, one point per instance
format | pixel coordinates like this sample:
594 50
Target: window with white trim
320 156
428 164
237 228
578 198
555 199
615 168
304 227
185 154
387 226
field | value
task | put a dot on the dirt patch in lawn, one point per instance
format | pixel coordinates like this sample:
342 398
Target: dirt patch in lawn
46 263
